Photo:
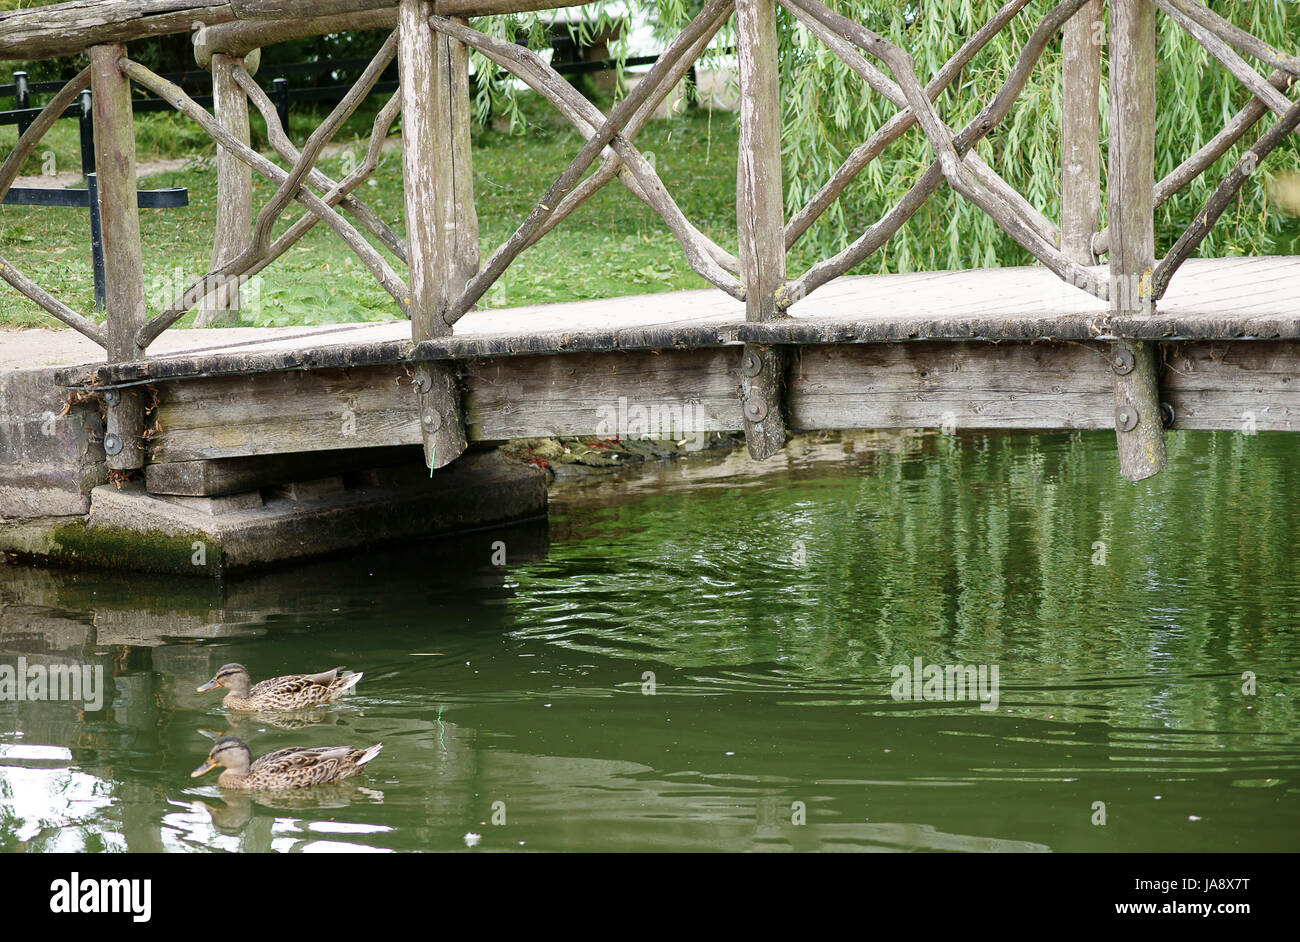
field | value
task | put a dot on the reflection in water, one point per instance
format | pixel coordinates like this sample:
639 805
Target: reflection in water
232 816
706 664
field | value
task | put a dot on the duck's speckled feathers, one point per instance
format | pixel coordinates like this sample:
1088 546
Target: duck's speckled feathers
290 692
299 767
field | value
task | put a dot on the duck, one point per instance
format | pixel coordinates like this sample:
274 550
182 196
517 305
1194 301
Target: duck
291 692
295 767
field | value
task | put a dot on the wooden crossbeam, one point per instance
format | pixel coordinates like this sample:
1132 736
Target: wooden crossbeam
896 126
1237 386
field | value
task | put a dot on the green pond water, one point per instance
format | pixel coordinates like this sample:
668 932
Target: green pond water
705 660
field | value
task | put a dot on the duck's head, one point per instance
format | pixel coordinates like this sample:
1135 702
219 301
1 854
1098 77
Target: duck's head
234 677
229 752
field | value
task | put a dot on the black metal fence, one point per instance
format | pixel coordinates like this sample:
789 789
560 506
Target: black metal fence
282 91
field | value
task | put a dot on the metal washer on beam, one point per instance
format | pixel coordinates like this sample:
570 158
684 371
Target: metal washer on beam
1122 361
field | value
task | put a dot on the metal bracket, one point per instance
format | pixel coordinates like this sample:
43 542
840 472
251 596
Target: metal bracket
755 409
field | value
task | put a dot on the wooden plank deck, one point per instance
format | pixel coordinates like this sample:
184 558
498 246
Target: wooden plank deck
1210 299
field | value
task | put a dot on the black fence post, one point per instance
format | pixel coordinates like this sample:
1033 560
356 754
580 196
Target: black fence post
282 102
96 242
87 135
22 99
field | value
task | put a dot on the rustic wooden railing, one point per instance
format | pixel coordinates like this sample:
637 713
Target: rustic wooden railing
445 277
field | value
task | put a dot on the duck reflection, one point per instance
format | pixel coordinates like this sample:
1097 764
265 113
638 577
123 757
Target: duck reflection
236 813
243 724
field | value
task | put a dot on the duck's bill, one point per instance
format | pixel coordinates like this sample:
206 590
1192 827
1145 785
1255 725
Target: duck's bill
203 769
210 685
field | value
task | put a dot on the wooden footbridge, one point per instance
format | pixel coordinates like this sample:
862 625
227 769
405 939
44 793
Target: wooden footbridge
1100 334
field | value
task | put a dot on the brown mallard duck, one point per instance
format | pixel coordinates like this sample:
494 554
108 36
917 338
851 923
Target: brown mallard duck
295 767
291 692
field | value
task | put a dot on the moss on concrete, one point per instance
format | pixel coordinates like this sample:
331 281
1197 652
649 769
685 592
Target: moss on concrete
151 551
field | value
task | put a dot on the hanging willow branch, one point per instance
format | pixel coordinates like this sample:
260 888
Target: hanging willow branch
984 122
896 126
1223 195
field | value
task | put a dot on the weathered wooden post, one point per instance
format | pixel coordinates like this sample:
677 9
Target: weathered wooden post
1081 131
123 258
760 218
234 192
436 174
458 234
1130 194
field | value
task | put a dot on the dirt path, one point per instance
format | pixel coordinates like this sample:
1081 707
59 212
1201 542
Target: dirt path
69 178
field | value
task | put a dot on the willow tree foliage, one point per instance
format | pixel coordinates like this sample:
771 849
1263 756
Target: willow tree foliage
828 111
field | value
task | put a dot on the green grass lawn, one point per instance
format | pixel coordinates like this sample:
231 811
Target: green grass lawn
613 245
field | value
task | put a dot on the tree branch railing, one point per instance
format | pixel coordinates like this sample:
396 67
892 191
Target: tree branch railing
9 171
290 186
442 30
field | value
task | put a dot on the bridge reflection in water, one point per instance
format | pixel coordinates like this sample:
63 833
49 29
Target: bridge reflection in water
770 610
